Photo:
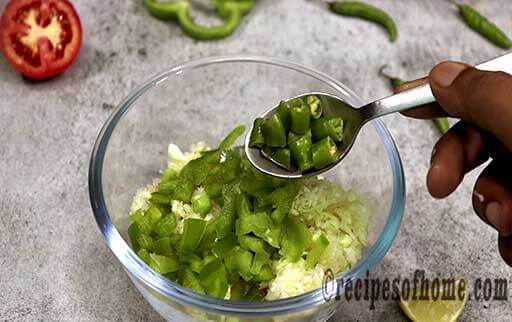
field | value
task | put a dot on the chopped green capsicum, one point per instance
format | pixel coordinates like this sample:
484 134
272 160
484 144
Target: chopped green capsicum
193 231
318 248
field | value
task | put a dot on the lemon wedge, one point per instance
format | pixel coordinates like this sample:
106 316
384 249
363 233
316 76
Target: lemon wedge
438 310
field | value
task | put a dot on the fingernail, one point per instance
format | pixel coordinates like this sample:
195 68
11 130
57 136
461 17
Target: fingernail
493 214
445 73
432 155
479 196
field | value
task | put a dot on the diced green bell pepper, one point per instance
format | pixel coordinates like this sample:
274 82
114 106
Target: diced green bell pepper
201 202
225 245
318 248
166 226
239 261
213 278
193 231
164 264
295 238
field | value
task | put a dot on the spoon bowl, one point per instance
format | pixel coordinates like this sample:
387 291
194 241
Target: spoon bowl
355 117
332 106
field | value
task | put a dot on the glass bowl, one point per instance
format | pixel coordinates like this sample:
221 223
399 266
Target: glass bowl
202 101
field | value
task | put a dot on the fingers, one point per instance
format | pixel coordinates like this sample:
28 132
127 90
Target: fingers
505 246
460 150
475 96
492 199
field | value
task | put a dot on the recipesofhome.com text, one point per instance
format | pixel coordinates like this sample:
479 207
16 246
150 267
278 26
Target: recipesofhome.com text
419 287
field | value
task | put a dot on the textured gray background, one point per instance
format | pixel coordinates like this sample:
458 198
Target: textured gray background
54 264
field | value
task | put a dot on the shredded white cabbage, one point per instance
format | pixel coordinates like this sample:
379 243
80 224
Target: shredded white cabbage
293 279
184 210
342 216
140 201
177 159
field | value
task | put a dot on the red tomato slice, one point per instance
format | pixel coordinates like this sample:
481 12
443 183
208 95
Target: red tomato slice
40 38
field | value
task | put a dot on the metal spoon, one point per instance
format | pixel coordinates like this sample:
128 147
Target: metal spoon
355 117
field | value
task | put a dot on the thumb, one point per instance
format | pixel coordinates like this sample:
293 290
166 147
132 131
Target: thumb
479 97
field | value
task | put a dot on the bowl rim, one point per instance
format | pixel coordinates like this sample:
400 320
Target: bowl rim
138 269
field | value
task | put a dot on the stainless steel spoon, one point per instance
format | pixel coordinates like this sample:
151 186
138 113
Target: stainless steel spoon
355 117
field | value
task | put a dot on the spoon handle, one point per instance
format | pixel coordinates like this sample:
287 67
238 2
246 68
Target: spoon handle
421 95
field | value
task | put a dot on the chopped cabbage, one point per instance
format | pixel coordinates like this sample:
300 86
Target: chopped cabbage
140 201
177 159
293 279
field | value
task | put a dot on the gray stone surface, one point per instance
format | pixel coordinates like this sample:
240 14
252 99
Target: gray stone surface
54 263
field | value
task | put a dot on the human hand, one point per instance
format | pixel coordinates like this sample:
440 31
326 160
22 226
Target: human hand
483 102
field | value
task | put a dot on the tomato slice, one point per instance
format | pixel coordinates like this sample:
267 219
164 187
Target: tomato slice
40 38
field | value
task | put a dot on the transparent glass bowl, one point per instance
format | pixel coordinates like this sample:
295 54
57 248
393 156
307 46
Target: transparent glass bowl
202 101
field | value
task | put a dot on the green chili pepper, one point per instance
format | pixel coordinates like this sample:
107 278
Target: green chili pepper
318 248
162 246
296 102
301 153
484 27
367 12
442 124
164 264
166 225
292 137
300 116
275 133
284 112
315 106
201 202
231 11
239 261
257 138
213 278
191 281
327 126
324 152
280 156
193 231
231 138
295 238
396 82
